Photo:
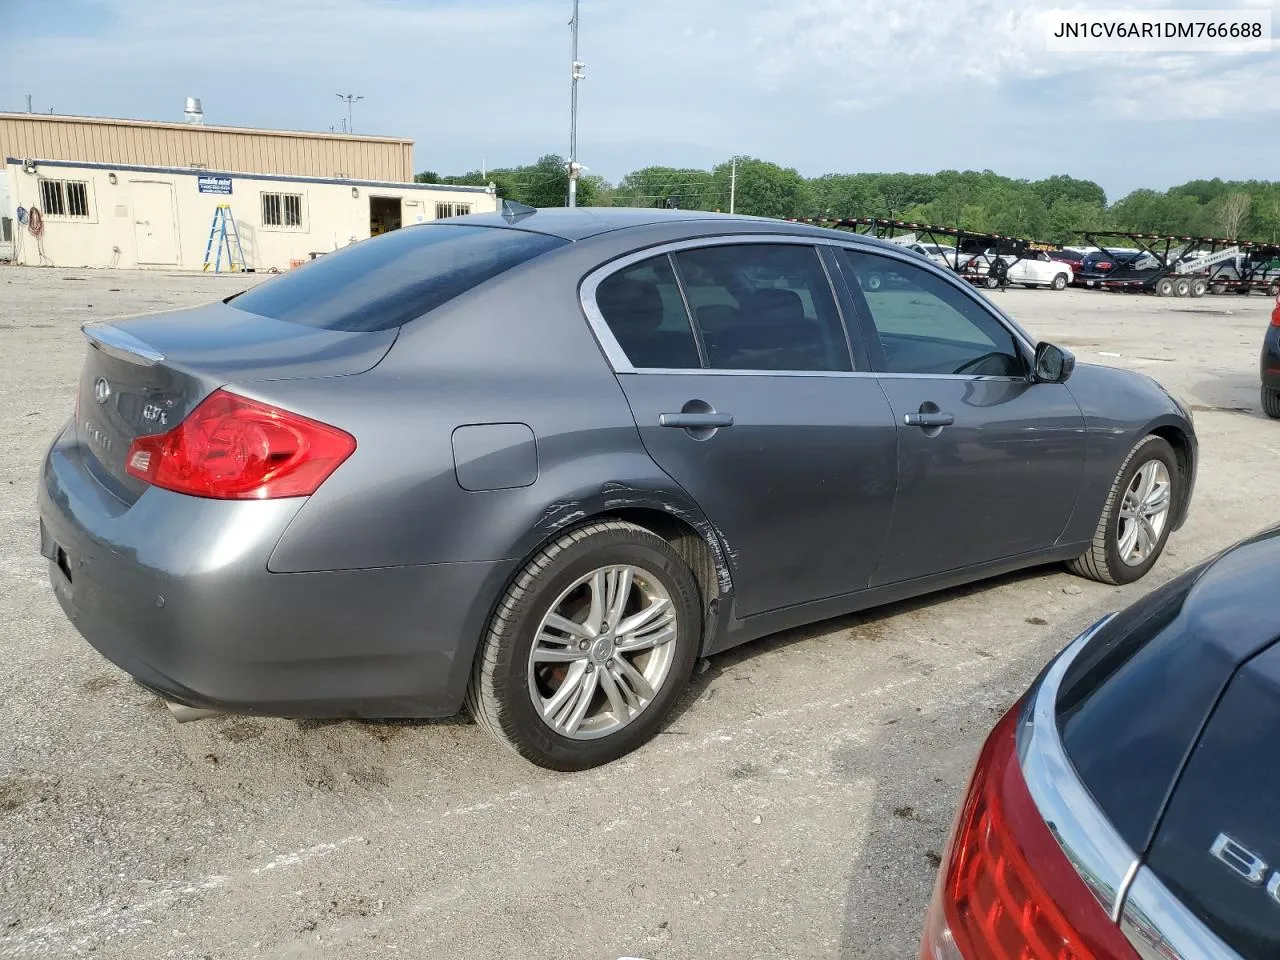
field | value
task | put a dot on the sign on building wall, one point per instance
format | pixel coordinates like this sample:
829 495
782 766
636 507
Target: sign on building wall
214 184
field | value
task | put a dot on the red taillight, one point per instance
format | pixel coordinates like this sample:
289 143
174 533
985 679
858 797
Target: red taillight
1275 314
1104 265
233 448
1006 891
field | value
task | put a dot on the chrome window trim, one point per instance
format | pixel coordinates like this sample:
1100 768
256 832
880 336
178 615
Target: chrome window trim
1095 848
1160 928
617 357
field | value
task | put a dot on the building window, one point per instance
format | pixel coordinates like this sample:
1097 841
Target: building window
444 210
65 198
282 210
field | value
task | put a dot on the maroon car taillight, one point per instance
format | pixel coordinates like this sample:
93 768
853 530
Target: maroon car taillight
233 448
1275 314
1006 891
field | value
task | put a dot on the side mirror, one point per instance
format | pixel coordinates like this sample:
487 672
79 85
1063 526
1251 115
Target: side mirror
1053 363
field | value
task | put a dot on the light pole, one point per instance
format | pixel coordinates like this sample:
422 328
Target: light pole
350 98
733 184
578 66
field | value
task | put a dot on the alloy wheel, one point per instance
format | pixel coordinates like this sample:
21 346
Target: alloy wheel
602 652
1144 513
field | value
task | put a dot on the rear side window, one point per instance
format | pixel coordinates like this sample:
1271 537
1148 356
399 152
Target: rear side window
392 279
646 315
764 307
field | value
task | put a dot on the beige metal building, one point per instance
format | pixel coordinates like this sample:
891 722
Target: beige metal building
96 192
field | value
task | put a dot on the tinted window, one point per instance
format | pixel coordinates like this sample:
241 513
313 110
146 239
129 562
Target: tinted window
392 279
925 325
644 311
764 307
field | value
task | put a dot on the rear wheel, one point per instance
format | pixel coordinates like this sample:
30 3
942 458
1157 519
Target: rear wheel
1137 517
1273 290
1218 288
1164 287
1060 281
589 647
1271 403
1182 287
991 283
1199 288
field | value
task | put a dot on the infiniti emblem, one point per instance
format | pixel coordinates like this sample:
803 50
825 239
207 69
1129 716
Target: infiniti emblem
101 390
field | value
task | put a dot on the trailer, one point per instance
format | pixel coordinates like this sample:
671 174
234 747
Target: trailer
1256 268
1181 266
980 258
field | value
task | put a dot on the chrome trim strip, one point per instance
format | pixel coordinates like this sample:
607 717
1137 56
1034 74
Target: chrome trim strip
115 342
1099 854
618 359
1161 928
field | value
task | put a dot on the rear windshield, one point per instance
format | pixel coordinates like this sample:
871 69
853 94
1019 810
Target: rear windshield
392 279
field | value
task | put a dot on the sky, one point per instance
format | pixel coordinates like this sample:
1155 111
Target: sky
820 85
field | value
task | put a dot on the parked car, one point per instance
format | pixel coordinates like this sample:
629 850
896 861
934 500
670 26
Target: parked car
497 460
1074 259
1271 365
1097 266
934 251
1126 807
1032 269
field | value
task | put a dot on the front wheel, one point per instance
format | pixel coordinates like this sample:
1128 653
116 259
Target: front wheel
589 647
1060 282
1137 517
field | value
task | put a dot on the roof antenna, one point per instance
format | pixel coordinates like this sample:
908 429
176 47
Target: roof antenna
513 211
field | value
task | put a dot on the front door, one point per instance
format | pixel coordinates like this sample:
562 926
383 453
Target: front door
153 226
989 463
758 414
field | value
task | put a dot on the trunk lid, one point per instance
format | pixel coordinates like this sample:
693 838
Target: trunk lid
145 374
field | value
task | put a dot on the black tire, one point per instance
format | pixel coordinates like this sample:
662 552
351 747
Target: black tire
1101 562
1164 287
498 696
1060 282
1199 288
1271 403
1218 289
1182 287
1273 290
991 282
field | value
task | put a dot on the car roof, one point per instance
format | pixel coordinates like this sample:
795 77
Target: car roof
581 223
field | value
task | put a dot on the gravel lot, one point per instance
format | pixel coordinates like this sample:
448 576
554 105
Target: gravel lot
795 806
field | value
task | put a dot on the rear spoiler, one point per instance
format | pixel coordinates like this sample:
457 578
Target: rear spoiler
114 342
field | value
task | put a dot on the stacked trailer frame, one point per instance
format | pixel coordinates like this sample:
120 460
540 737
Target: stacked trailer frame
1257 268
970 245
1173 265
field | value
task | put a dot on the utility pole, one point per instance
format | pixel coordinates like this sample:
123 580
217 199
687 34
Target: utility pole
350 98
578 66
733 184
29 103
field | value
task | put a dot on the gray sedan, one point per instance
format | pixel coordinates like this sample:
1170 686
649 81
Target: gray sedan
540 462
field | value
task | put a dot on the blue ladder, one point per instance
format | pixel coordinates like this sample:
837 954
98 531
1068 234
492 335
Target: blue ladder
223 232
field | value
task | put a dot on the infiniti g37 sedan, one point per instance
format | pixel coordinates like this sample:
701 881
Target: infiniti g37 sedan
540 462
1126 807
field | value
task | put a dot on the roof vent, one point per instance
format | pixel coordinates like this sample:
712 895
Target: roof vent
193 112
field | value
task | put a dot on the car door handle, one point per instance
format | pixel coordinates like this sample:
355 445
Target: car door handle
694 421
928 419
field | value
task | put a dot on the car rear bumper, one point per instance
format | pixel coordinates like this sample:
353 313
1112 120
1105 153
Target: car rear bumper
175 591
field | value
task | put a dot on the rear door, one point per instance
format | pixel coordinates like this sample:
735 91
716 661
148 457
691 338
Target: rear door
756 410
989 463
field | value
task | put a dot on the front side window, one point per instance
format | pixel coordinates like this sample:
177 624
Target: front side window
282 210
926 326
646 315
764 307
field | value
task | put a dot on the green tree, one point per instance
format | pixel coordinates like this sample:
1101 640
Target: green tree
765 189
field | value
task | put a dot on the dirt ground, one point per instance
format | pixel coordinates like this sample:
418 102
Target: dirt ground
795 806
